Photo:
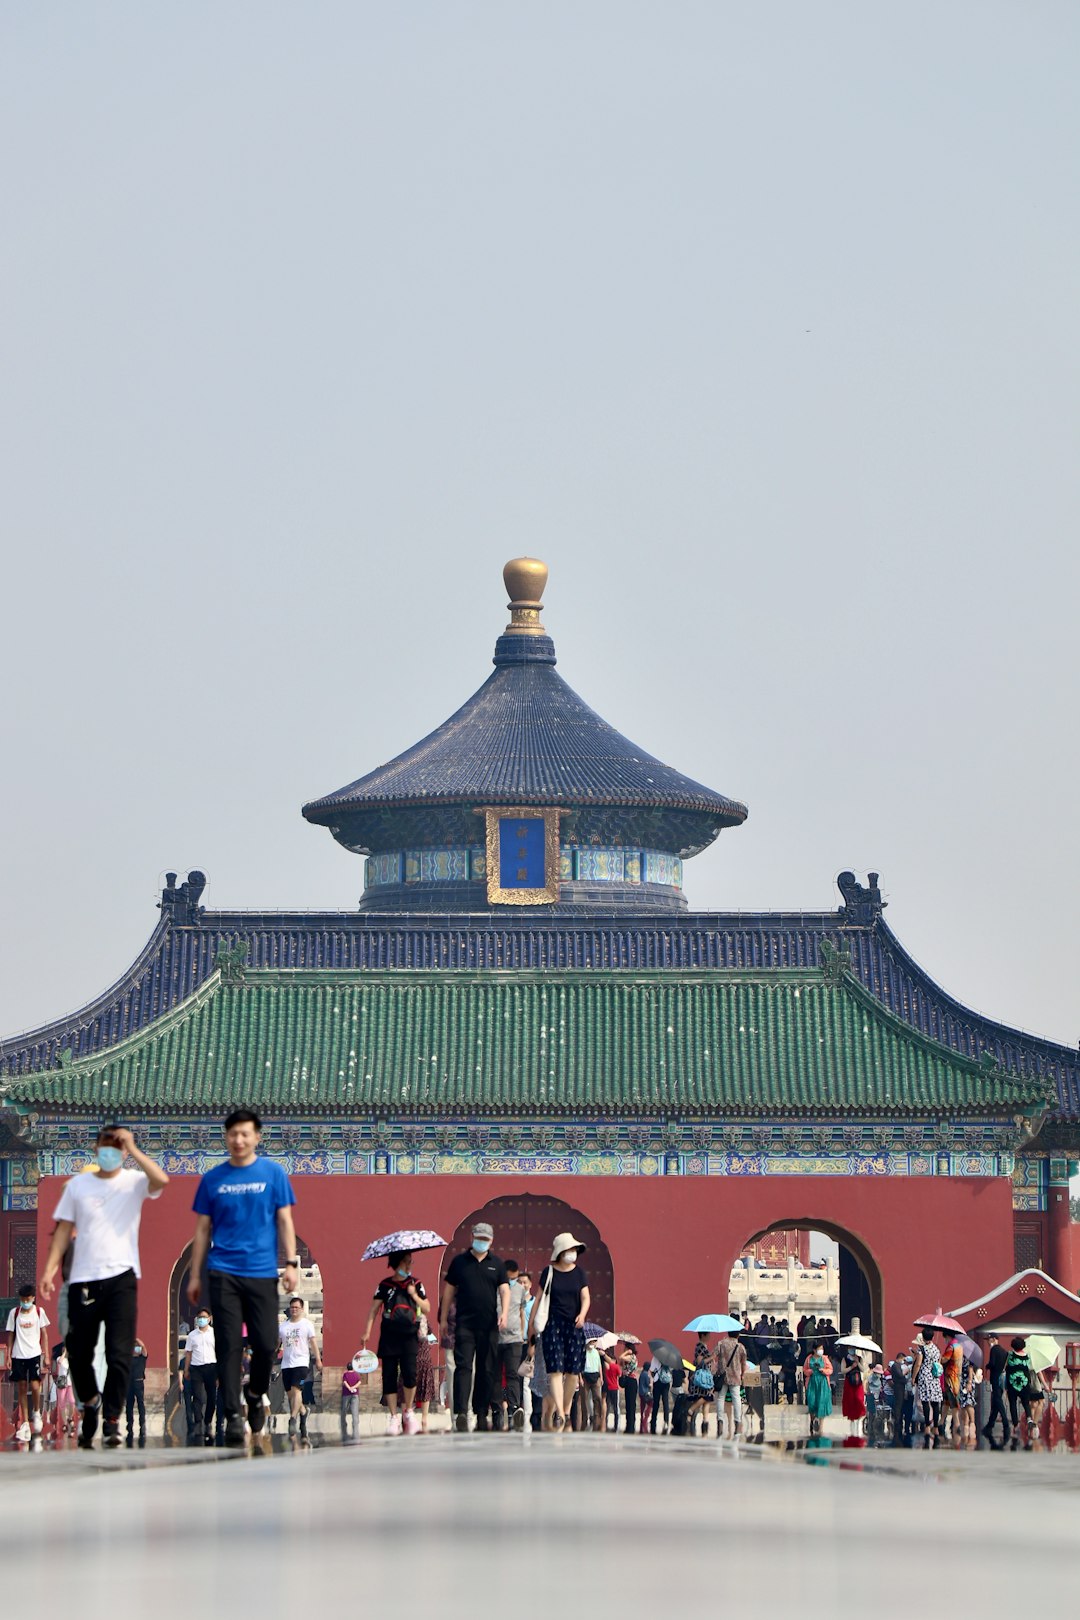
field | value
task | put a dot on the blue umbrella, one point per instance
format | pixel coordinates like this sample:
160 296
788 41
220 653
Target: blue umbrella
714 1324
592 1331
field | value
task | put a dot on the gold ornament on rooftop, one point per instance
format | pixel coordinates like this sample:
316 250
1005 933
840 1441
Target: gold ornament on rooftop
525 579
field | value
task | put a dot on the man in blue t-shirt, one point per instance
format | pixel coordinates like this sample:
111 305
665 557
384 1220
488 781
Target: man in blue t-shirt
244 1211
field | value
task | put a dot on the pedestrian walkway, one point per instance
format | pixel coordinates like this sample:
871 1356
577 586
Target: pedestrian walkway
629 1520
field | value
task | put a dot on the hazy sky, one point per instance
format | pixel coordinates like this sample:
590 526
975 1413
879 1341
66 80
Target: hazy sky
757 322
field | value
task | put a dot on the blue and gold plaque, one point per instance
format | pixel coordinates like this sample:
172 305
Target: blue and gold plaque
522 857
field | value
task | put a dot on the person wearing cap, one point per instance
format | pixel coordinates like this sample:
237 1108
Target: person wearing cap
477 1285
102 1213
28 1350
562 1311
995 1379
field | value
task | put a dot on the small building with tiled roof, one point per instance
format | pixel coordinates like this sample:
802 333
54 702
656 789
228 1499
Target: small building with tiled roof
523 1016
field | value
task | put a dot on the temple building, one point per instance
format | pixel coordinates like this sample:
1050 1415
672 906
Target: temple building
523 1016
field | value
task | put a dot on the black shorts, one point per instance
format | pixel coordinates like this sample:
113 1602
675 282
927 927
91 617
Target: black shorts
294 1377
26 1369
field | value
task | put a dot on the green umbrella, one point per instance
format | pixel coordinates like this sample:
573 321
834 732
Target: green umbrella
1043 1351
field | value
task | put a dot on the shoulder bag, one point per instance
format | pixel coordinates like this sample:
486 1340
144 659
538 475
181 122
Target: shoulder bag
543 1307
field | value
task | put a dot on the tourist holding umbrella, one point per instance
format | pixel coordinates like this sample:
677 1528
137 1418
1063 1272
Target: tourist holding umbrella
926 1374
400 1301
400 1298
665 1359
559 1320
730 1361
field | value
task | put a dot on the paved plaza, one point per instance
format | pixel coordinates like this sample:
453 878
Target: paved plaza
448 1525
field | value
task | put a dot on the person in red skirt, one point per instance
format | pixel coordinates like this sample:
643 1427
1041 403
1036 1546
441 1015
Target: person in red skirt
853 1402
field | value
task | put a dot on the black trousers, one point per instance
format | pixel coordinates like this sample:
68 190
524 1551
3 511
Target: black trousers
234 1301
661 1396
112 1301
997 1410
398 1353
1018 1399
474 1344
629 1388
508 1358
204 1382
136 1397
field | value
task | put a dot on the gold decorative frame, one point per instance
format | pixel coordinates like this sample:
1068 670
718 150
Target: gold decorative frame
497 895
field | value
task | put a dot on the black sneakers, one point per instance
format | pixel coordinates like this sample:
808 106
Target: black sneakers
519 1419
110 1433
89 1426
235 1433
256 1413
461 1423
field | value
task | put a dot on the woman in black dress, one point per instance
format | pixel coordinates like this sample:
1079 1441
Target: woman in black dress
564 1304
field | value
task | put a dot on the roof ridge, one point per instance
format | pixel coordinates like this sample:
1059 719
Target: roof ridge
852 985
131 1045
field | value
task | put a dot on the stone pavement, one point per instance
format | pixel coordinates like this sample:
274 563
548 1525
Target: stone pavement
452 1525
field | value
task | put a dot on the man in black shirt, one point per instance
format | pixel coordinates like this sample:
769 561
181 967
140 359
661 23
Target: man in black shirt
995 1375
477 1284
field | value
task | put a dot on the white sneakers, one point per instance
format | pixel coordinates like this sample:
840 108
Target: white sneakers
394 1425
23 1432
412 1423
35 1423
409 1424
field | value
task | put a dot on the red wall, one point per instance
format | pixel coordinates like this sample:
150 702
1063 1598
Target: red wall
673 1240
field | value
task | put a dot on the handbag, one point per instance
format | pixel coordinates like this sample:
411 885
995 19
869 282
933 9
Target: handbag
543 1307
527 1367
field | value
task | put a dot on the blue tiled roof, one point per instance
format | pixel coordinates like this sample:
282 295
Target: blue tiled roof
526 738
176 960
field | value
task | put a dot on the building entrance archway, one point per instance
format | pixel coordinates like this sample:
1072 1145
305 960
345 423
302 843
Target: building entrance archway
861 1291
525 1224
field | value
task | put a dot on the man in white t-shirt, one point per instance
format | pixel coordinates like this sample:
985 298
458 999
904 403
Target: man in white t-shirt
198 1368
102 1209
28 1347
297 1346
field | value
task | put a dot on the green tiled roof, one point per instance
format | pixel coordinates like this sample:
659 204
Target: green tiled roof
613 1043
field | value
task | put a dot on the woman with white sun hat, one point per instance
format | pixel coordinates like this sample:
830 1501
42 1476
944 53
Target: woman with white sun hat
559 1319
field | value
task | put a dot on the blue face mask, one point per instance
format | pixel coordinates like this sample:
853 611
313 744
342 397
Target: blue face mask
481 1245
109 1158
402 1271
202 1321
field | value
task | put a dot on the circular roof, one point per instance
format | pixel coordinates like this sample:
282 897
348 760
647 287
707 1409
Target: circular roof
526 738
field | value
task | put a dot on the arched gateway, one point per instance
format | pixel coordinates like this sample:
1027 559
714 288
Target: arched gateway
861 1287
525 1225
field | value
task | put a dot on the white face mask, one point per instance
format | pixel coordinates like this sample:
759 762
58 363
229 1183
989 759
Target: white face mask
569 1257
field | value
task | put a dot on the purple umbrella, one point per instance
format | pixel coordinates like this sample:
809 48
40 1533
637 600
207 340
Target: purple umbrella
592 1331
973 1352
402 1243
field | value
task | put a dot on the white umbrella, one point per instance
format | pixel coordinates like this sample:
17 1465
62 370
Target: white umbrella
859 1341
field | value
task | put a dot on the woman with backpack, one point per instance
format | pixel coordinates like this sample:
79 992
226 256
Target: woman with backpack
400 1299
645 1396
661 1394
702 1386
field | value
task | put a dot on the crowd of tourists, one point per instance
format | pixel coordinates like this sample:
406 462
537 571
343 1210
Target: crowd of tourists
517 1352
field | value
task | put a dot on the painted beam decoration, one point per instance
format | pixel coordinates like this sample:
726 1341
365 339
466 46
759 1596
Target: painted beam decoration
522 856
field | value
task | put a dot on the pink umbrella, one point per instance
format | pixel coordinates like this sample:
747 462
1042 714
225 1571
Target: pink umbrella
939 1321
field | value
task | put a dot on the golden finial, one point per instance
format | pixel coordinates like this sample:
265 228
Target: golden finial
525 579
